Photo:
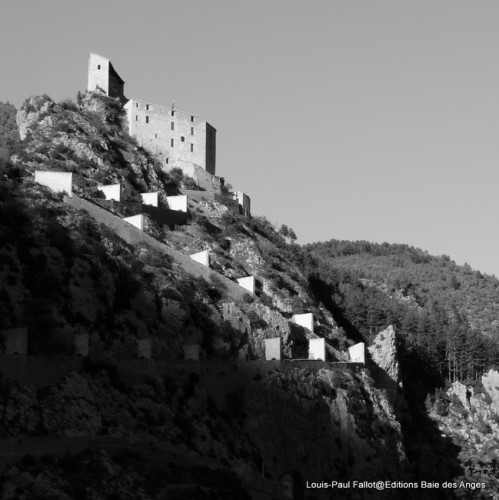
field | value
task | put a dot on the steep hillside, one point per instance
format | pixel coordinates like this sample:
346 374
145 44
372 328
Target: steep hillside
114 426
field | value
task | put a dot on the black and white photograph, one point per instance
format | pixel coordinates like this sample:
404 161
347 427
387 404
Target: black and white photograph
247 250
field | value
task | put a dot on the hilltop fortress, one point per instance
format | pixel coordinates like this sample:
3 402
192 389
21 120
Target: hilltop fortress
178 138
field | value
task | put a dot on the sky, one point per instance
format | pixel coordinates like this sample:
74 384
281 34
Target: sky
354 120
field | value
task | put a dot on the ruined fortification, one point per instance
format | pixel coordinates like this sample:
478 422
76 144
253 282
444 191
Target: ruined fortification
179 138
102 75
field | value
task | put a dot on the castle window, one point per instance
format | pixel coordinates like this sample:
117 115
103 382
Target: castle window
136 118
192 118
173 126
98 66
192 148
136 104
182 139
172 143
173 112
147 119
155 136
166 161
147 107
192 130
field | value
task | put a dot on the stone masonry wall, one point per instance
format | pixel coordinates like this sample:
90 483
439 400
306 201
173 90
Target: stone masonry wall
174 135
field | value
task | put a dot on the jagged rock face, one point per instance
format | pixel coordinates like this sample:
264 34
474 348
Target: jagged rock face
462 392
72 409
383 352
19 413
469 418
34 115
321 424
490 382
90 140
246 251
259 322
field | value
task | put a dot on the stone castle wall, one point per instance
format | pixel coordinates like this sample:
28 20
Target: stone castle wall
175 136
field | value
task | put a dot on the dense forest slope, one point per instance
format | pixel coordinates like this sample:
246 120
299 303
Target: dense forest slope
447 314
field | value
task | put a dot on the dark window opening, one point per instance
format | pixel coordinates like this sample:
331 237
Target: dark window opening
173 112
192 130
192 118
155 136
182 139
172 143
166 161
98 66
192 148
136 118
173 126
136 104
147 107
147 119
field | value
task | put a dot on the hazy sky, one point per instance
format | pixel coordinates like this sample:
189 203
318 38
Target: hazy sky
373 120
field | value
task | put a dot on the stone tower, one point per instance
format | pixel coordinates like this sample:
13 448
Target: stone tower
102 75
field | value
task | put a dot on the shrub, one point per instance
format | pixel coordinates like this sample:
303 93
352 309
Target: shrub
68 104
189 183
248 298
176 175
441 405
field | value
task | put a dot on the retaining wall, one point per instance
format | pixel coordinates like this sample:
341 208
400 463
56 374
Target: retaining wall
135 236
39 371
42 371
160 215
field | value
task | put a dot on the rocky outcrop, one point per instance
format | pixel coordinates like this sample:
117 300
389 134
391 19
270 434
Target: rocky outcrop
316 423
259 322
245 251
384 354
34 114
490 382
468 416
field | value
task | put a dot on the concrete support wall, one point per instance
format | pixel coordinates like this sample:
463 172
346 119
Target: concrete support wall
248 283
202 257
16 341
111 191
60 182
203 179
81 344
177 202
135 236
191 352
272 349
306 320
136 220
150 198
144 348
317 349
357 353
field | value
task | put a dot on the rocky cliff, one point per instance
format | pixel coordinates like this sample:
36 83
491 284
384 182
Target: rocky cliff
469 416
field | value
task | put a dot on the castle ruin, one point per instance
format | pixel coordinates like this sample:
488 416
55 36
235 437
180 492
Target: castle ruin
178 138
